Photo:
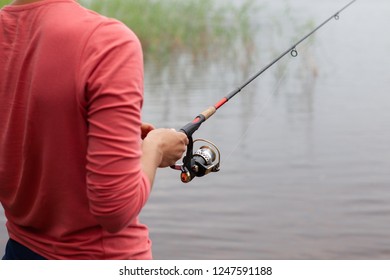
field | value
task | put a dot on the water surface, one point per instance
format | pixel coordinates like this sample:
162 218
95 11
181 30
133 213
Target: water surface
305 149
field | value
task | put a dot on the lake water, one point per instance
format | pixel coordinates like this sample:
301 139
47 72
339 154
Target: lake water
305 169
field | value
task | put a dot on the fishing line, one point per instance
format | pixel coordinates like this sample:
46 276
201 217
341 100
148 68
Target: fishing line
207 158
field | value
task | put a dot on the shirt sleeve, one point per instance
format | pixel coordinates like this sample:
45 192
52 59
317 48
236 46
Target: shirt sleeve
117 188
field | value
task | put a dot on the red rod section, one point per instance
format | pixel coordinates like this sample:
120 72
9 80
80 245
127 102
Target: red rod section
220 103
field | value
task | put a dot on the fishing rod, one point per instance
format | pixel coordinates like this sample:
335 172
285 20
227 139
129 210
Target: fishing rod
208 157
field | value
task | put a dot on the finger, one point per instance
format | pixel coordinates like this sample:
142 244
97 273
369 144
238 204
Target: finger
145 129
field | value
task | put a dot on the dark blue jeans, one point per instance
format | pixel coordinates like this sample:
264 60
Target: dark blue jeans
17 251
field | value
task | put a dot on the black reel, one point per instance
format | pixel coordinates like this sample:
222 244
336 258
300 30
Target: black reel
205 160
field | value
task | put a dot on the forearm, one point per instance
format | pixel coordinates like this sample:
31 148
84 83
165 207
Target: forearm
150 160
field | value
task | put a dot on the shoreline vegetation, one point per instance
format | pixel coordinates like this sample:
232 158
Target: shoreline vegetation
169 27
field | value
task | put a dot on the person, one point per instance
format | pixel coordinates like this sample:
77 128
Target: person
74 172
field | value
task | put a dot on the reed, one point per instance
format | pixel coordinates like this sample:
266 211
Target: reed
199 27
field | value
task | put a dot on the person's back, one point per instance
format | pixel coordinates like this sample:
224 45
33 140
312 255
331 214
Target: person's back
71 181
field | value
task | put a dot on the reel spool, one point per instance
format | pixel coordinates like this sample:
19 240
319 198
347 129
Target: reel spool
205 160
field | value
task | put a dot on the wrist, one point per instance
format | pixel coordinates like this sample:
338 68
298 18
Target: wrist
151 152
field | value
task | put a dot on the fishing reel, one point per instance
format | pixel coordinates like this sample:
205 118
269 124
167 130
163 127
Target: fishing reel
205 160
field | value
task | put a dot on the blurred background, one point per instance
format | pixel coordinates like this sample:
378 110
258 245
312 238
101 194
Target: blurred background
305 149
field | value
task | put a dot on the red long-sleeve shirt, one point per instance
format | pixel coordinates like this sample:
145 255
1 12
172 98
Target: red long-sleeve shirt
71 92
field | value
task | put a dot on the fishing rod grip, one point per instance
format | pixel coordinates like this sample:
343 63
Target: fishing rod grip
209 112
193 126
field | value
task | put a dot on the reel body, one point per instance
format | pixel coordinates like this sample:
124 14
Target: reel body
205 160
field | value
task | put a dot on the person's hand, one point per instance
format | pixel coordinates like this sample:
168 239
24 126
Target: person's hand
170 144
